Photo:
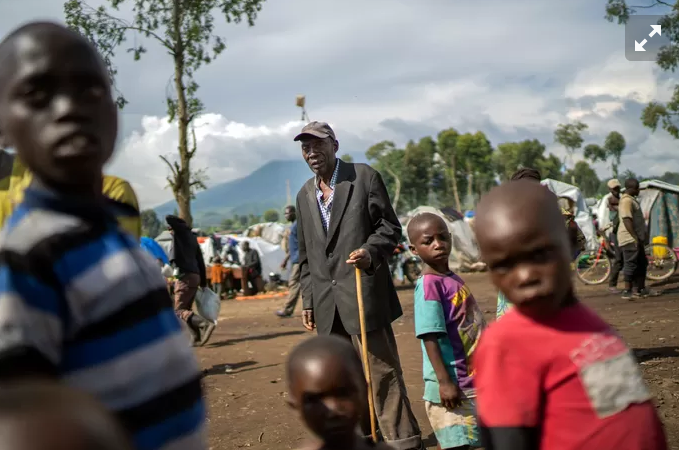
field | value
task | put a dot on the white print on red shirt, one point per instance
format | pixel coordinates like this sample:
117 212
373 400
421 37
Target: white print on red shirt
609 373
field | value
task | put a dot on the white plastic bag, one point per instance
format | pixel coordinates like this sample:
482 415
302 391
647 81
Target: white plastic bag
167 271
208 304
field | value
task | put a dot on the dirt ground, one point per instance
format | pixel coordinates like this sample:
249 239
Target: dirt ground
248 408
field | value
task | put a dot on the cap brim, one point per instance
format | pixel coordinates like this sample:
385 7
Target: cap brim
316 134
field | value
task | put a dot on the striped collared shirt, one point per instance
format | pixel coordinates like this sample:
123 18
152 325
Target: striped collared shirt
325 206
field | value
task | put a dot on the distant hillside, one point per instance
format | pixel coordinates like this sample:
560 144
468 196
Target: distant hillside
263 189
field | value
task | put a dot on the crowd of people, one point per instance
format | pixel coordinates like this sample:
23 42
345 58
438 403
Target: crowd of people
82 307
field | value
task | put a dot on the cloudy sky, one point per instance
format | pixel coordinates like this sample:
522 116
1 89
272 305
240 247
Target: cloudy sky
388 69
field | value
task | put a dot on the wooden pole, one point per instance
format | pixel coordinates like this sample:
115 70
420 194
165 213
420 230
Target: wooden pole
364 354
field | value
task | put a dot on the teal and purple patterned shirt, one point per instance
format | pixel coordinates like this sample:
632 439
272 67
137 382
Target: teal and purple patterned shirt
445 306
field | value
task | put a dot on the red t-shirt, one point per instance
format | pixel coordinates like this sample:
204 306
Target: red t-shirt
572 377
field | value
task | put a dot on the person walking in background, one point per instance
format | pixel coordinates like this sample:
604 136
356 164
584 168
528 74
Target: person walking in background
291 256
191 274
632 237
613 202
345 221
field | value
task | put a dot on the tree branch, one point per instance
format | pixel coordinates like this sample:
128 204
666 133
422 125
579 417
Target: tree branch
124 26
172 169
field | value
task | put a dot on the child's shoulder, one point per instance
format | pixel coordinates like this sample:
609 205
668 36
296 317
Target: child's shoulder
29 226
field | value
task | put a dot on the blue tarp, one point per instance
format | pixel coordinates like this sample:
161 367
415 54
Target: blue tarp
154 249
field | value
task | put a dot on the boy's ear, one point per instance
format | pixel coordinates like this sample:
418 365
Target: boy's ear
412 249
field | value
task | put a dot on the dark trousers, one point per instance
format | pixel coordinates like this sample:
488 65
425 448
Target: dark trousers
395 417
635 265
617 261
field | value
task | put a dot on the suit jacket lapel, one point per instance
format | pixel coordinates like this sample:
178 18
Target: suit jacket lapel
340 199
314 211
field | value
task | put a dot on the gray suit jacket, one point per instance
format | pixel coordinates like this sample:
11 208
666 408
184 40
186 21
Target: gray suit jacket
361 217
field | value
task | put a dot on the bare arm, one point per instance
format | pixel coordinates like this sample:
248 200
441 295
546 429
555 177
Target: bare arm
431 345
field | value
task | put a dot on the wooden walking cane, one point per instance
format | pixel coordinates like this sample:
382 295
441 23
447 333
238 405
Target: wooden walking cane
364 354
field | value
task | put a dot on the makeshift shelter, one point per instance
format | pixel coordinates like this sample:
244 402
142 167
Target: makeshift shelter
165 240
271 232
270 255
465 255
154 249
577 205
659 202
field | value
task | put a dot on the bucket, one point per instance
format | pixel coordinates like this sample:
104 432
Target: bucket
660 253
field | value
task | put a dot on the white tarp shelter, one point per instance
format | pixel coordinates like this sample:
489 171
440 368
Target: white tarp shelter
269 231
465 255
271 255
582 216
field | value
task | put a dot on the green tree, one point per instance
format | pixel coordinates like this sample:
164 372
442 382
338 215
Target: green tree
475 154
150 224
227 224
449 154
585 178
347 158
614 145
388 160
417 172
185 29
570 136
656 113
270 215
244 220
511 156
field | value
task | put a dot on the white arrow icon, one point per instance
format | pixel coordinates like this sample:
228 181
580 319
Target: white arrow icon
639 46
656 30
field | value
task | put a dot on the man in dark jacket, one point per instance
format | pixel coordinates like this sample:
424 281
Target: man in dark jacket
191 273
345 220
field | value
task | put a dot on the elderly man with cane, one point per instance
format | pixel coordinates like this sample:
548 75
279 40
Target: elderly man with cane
345 222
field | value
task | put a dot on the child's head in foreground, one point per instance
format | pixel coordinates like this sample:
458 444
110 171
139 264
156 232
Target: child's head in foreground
431 240
56 108
52 417
327 387
522 239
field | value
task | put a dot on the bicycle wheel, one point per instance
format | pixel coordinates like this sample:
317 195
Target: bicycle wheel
662 262
593 268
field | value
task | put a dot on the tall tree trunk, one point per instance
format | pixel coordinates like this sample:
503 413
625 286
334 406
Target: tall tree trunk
397 188
456 194
470 186
182 186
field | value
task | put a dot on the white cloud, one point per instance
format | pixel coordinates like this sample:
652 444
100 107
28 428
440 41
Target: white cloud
399 70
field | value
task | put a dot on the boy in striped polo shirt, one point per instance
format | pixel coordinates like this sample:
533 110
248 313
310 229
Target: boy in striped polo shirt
80 301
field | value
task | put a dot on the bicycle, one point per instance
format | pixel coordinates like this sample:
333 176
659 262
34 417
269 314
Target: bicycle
662 263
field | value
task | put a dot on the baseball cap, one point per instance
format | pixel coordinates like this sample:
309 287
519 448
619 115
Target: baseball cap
320 130
613 183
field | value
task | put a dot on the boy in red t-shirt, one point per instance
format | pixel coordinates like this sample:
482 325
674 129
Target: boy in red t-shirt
551 374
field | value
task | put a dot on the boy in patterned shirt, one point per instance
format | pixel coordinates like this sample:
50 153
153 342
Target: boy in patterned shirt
449 323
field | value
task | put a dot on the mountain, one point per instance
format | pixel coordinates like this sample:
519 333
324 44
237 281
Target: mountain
263 189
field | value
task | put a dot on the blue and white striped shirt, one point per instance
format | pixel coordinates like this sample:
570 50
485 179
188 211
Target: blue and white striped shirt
83 295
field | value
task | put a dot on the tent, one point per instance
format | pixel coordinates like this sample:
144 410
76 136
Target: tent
660 204
582 215
271 255
165 240
154 248
465 255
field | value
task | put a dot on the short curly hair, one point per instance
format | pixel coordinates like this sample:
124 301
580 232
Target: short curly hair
526 173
